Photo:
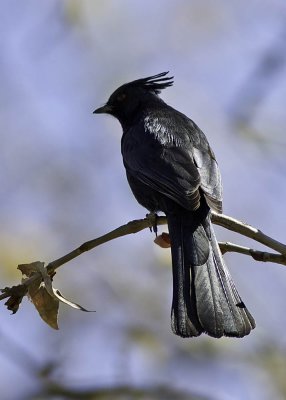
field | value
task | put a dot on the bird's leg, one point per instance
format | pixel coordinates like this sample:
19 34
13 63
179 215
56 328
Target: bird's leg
162 240
152 217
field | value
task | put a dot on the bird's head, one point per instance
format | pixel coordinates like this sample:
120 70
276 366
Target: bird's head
124 103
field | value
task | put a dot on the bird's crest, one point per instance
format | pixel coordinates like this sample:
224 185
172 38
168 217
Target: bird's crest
154 83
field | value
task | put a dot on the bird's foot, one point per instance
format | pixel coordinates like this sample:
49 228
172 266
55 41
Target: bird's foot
152 217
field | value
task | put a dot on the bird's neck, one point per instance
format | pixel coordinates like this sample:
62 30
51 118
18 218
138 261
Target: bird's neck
144 109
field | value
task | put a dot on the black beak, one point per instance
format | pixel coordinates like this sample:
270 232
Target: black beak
106 109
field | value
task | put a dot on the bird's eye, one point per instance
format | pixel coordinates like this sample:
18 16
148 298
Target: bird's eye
121 97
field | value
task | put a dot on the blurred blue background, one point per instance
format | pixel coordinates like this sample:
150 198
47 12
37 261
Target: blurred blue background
63 182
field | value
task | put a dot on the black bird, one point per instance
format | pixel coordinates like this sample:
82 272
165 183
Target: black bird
171 167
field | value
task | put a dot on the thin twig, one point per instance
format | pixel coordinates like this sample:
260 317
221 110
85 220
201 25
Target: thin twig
257 255
134 226
244 229
131 227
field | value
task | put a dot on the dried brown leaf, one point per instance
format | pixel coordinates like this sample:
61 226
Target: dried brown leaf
46 305
30 269
16 294
41 293
163 240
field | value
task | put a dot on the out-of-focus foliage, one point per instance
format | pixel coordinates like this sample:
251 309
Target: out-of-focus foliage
62 182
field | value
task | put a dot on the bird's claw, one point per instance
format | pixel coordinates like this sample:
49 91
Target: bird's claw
152 217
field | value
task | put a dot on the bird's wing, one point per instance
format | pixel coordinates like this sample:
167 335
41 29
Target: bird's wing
169 153
204 160
165 167
210 177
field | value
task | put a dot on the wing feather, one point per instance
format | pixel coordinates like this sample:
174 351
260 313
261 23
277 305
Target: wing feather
171 155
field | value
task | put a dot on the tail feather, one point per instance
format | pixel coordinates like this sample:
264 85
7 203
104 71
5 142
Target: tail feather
205 298
184 323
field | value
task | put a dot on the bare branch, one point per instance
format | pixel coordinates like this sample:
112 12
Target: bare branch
15 293
131 227
257 255
247 230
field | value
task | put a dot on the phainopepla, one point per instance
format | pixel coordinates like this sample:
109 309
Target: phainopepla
171 168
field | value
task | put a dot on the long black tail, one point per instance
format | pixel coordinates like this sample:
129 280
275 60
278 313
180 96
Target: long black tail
205 298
